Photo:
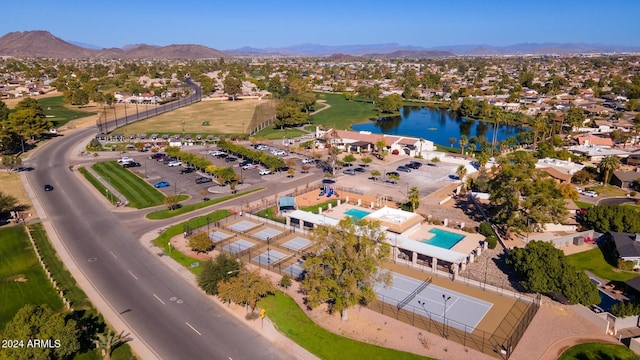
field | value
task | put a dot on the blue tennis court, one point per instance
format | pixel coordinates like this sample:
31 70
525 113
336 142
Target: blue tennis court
243 225
216 236
267 233
268 257
461 309
294 270
296 243
238 246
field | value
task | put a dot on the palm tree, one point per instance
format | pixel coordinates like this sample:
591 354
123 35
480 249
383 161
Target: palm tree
452 141
463 142
107 342
497 118
413 197
608 164
461 172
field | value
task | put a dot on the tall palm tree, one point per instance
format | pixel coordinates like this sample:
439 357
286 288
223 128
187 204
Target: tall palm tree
414 198
497 118
608 164
108 341
452 141
463 142
461 172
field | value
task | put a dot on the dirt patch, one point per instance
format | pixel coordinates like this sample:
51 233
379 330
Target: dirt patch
18 278
11 184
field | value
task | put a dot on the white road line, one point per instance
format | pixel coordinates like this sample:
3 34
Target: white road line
192 328
135 277
114 255
156 296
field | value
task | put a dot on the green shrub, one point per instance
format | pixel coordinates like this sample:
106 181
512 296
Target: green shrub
623 309
285 281
626 265
485 229
492 241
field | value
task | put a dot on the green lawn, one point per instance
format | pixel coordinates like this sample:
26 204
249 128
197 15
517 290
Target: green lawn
166 213
54 106
582 205
594 261
598 351
343 113
324 206
137 191
294 323
162 241
607 190
270 213
22 279
271 133
97 184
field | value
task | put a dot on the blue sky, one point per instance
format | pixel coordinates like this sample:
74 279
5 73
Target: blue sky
277 23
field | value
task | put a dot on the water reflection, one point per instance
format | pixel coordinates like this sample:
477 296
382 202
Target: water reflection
436 125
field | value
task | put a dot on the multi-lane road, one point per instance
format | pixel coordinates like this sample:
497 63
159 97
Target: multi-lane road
170 316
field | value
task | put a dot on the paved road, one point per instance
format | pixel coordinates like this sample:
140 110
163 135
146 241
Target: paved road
172 318
616 201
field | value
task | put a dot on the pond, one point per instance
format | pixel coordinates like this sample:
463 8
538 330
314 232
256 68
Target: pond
436 125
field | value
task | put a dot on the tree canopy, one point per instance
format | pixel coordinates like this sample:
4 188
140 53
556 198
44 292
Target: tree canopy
215 270
603 218
345 272
545 269
245 287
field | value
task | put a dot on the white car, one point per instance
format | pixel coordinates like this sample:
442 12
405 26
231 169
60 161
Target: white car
124 159
579 189
265 172
174 163
590 193
216 152
307 161
249 166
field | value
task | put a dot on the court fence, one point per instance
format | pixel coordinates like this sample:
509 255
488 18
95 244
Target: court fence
499 344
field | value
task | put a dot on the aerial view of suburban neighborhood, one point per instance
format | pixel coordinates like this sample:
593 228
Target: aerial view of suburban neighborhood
318 202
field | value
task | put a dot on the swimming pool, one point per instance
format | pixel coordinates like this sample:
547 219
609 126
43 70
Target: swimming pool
357 213
444 239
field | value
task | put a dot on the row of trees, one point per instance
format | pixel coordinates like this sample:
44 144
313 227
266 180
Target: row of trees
26 121
603 218
224 174
270 161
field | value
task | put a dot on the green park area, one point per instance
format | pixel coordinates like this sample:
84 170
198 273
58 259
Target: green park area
137 191
594 261
598 351
59 113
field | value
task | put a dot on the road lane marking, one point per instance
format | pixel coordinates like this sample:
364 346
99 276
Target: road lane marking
135 277
156 296
114 255
192 328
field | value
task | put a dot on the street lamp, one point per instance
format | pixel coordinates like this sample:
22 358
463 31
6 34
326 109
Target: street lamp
445 298
246 303
268 253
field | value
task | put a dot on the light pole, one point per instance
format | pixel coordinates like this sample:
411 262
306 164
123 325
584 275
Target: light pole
246 303
268 253
445 298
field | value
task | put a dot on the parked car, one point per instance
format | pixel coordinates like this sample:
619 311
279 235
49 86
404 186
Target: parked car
187 170
579 189
349 172
403 169
203 180
328 181
124 159
157 156
249 166
174 163
282 169
394 173
414 165
359 169
217 152
131 164
307 161
278 152
245 162
48 187
264 172
590 193
230 159
454 177
161 184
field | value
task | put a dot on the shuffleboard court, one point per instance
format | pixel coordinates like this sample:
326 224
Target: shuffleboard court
296 243
238 246
216 236
243 225
268 257
462 311
267 233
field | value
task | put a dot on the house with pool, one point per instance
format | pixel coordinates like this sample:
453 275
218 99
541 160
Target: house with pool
414 243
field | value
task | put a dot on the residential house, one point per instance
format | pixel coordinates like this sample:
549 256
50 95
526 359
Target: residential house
591 139
634 158
596 153
365 141
625 179
626 245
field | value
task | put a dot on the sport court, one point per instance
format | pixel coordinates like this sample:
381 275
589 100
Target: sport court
462 311
243 225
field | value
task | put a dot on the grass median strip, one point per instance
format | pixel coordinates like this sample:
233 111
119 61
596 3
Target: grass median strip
166 213
295 324
137 191
97 184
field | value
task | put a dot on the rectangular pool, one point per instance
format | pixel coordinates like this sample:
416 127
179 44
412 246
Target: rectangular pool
357 213
444 239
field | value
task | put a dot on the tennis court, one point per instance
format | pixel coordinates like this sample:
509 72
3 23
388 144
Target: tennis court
268 257
295 270
296 243
242 226
216 236
267 233
461 311
238 246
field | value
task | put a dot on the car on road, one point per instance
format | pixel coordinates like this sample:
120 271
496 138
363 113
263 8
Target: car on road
393 173
403 169
454 177
174 163
349 172
328 181
203 180
187 170
48 187
264 172
590 193
161 184
307 161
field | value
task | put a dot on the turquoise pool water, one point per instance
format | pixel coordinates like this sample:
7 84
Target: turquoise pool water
444 239
357 213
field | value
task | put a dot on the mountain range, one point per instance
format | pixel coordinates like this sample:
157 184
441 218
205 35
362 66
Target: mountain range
40 43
